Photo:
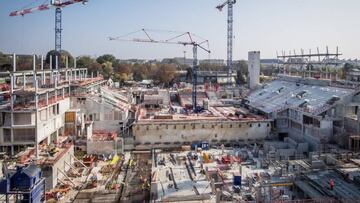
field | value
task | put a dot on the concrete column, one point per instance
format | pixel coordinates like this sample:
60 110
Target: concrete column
14 62
51 67
47 99
42 69
75 62
24 81
218 196
36 96
42 62
12 92
14 70
69 89
66 75
36 118
51 77
92 74
56 62
67 62
57 68
12 98
63 93
34 69
52 72
56 89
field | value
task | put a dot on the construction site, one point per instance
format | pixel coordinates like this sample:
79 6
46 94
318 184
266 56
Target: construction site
69 134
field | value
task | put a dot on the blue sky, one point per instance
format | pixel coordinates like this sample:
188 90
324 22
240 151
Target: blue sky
264 25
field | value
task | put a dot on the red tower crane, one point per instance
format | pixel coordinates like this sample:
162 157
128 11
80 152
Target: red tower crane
58 5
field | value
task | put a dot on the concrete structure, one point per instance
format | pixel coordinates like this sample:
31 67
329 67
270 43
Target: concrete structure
213 77
107 109
179 60
55 168
157 128
104 142
307 110
254 69
164 133
47 108
219 62
288 149
353 75
39 101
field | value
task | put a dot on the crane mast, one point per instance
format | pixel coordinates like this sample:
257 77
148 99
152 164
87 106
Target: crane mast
58 29
58 5
229 4
194 79
173 40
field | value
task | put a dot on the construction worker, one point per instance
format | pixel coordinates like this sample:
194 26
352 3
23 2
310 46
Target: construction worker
332 184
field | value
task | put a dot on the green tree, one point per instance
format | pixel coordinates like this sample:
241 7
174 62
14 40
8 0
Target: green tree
24 63
120 77
84 61
106 58
211 67
94 68
242 71
5 62
89 63
61 58
123 68
140 72
107 69
166 74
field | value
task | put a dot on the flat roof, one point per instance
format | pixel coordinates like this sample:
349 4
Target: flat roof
225 113
308 98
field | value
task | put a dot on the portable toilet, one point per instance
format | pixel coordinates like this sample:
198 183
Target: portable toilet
237 179
205 145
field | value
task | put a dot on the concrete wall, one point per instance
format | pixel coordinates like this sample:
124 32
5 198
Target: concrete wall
52 173
351 125
101 147
104 116
254 69
170 134
50 119
24 119
54 121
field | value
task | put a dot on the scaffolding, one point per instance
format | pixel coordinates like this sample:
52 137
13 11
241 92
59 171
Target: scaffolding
313 65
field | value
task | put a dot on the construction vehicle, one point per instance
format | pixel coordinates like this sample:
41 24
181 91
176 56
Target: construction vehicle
206 158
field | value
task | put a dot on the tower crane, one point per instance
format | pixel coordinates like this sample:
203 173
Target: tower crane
229 4
175 40
58 5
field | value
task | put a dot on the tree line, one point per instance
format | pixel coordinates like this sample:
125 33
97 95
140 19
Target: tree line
111 67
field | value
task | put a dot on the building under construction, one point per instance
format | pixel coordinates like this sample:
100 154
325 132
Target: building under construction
295 138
